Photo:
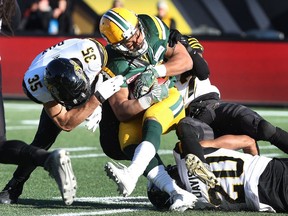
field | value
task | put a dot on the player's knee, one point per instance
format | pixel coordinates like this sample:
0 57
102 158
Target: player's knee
187 128
265 130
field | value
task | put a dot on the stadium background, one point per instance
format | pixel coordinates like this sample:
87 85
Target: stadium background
249 68
245 44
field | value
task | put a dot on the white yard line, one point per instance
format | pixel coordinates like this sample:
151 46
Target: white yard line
103 212
30 124
141 200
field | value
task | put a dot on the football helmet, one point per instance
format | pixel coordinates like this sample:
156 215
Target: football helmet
117 26
67 82
159 199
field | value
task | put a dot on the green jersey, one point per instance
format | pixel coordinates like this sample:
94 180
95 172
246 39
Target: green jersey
156 35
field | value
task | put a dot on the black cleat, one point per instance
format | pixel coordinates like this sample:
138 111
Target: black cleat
11 192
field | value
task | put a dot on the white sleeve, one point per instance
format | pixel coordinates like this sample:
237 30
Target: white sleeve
34 82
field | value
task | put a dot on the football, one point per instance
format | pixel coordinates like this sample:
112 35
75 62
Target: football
162 80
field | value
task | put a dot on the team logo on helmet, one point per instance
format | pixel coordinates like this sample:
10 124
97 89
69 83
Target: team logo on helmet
78 70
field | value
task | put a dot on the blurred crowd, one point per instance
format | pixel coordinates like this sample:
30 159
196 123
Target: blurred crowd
46 17
54 17
36 17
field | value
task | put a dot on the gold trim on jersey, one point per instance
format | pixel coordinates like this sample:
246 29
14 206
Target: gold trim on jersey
102 51
108 72
160 27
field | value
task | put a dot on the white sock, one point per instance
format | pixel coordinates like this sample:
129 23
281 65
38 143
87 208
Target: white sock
160 177
144 153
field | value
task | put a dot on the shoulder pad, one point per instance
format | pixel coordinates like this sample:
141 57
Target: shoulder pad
155 25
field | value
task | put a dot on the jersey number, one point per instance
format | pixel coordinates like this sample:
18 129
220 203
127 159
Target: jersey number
234 174
35 83
88 54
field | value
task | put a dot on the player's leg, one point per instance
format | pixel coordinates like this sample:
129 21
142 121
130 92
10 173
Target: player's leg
190 132
158 119
240 119
46 134
57 163
273 185
180 199
144 158
279 137
2 115
17 152
109 128
129 137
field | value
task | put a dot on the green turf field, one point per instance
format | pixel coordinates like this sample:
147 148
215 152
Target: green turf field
96 193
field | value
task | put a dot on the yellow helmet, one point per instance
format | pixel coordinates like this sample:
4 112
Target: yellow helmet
118 25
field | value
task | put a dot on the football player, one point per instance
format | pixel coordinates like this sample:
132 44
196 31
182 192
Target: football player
202 101
2 118
137 48
246 182
57 163
66 79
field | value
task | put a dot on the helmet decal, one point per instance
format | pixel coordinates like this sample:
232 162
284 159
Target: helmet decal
118 20
78 70
127 28
120 24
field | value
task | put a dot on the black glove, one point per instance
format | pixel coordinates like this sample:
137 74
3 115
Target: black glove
174 37
195 44
192 44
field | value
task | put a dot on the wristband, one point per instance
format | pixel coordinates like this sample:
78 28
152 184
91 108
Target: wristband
99 97
161 70
145 101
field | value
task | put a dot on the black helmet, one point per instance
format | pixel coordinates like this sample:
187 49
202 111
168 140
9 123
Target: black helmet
161 199
67 82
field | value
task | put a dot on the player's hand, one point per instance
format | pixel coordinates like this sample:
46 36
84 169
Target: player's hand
195 44
174 37
143 83
159 92
151 70
104 90
92 122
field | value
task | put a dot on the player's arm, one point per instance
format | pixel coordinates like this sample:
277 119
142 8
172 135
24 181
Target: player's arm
200 67
123 108
179 60
195 50
234 142
69 119
126 108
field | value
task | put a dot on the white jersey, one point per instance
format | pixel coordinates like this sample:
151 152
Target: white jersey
238 175
88 51
201 87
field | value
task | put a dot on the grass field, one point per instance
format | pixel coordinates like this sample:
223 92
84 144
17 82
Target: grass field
96 193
